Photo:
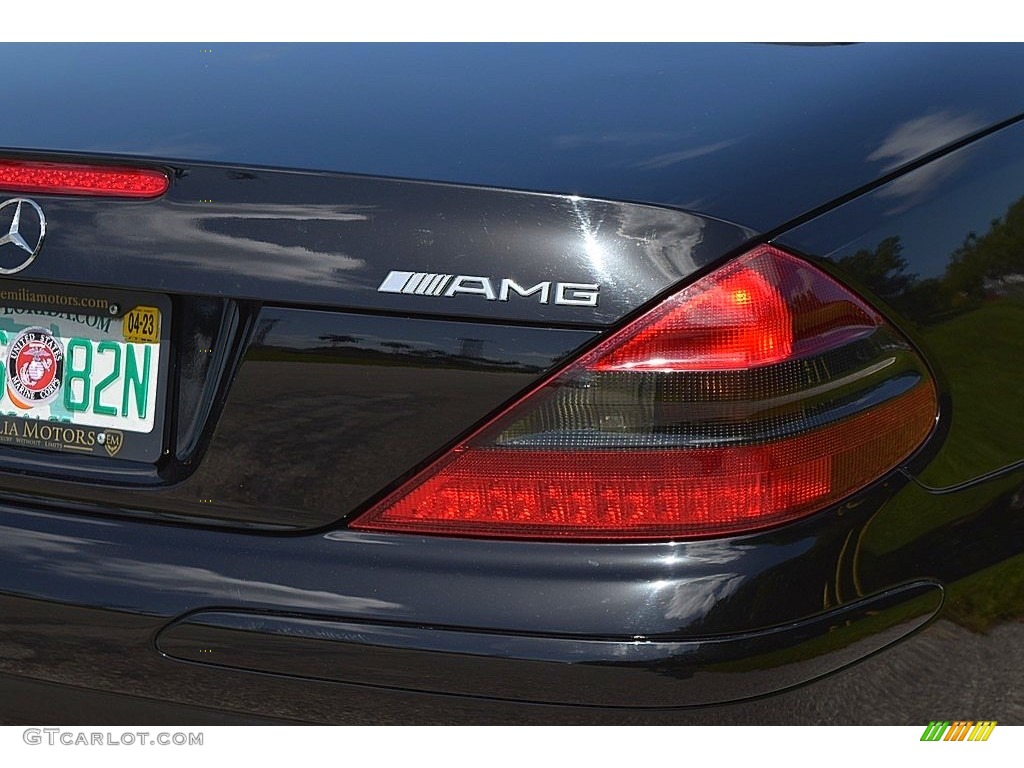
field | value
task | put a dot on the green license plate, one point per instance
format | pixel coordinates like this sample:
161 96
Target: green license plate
83 372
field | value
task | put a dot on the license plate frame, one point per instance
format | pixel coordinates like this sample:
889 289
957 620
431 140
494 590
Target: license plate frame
68 308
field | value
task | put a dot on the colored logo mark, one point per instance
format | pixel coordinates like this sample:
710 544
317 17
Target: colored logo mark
958 730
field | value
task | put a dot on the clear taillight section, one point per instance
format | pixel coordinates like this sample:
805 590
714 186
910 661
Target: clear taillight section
762 393
75 179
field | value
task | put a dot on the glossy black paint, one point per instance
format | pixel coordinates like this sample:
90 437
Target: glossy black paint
329 240
86 590
589 590
329 408
358 398
639 672
758 134
324 410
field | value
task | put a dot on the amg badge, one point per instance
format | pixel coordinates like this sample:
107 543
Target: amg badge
35 368
492 289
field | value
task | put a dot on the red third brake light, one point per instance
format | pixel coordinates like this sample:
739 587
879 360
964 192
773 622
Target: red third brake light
74 179
761 393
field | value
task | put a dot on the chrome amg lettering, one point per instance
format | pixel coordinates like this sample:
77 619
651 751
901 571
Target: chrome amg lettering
576 294
511 285
437 285
470 284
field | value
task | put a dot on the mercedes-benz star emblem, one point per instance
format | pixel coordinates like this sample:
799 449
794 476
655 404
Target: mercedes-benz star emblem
24 232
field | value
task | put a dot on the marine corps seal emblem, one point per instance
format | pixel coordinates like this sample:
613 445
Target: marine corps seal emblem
35 368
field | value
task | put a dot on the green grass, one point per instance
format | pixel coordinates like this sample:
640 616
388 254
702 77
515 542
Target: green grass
991 597
982 355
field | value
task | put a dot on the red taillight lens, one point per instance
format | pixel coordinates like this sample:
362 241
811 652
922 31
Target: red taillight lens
738 321
73 179
763 308
762 393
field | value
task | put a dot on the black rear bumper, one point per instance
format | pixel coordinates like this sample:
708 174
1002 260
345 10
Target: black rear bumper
233 625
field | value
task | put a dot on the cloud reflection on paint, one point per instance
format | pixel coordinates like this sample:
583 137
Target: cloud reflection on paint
913 139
